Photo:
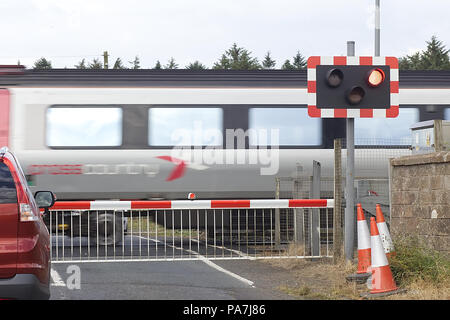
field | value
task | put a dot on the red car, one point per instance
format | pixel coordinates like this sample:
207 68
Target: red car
24 238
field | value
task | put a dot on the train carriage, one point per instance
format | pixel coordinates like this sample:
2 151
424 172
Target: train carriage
159 134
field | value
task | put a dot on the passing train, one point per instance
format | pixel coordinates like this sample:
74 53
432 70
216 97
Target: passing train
160 134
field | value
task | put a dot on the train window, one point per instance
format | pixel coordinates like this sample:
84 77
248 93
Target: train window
289 126
386 131
84 127
185 126
447 114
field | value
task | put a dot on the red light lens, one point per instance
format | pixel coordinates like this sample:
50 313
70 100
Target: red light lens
376 77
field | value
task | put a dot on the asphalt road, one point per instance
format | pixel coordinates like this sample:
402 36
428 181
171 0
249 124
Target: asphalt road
200 279
153 280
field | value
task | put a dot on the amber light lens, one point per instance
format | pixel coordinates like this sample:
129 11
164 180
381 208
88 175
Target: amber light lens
355 95
376 77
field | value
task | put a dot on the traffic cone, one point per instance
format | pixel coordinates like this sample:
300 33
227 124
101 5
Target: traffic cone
382 279
364 250
384 233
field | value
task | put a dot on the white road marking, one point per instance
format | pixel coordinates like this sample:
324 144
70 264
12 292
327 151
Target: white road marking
239 253
210 263
219 268
57 281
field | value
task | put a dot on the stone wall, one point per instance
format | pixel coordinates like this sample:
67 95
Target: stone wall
420 198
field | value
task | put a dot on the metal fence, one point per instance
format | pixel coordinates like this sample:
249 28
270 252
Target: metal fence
371 182
189 230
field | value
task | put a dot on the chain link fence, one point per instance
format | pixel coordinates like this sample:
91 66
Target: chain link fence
371 186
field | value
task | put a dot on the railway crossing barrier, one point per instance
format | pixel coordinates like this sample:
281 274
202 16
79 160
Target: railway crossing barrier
101 231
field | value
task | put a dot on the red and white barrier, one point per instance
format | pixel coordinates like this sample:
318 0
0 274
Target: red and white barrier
194 204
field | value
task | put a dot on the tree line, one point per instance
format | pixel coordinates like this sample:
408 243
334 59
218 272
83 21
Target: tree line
235 58
434 57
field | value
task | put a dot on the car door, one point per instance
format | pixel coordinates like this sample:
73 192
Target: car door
9 220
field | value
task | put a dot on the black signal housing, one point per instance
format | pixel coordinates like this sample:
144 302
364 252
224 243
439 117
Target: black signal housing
352 86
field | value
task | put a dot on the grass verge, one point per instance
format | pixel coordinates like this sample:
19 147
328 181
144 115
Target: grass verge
423 272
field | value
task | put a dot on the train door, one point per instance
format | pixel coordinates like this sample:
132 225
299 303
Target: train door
4 117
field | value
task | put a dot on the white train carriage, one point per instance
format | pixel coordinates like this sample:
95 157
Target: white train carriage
160 134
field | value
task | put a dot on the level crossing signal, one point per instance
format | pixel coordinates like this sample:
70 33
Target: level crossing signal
353 87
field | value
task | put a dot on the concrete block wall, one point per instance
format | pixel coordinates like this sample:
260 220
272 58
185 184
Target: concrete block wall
420 198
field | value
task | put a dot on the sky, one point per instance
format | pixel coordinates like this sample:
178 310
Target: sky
66 31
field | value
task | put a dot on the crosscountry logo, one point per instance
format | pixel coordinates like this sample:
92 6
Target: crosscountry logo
180 167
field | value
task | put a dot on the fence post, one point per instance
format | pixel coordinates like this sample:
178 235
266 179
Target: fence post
277 213
337 211
298 212
438 136
315 213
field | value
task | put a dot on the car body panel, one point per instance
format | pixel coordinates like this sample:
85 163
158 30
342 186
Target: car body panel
24 245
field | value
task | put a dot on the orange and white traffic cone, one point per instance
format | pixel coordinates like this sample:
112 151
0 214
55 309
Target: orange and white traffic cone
364 250
382 279
384 233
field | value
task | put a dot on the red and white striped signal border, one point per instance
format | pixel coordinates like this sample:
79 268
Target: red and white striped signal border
315 112
194 204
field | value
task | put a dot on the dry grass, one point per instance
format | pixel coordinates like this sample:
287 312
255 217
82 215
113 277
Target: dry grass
145 227
423 290
424 274
303 291
339 288
317 279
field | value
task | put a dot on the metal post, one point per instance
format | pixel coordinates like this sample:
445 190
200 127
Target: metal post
105 60
350 48
377 28
315 213
349 221
277 214
438 136
390 191
337 219
298 212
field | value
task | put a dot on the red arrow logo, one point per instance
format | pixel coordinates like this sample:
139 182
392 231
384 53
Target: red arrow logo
179 169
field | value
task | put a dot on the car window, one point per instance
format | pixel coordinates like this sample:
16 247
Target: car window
24 182
8 193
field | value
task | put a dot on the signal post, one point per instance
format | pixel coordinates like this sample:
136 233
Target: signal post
352 87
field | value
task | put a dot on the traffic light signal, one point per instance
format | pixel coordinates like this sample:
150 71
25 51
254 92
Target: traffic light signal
353 87
339 86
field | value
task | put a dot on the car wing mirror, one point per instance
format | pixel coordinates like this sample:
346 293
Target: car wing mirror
44 199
